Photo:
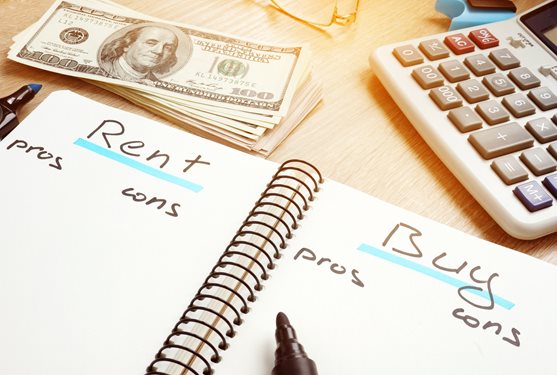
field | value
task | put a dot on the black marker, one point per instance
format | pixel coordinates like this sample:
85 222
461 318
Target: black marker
9 105
290 357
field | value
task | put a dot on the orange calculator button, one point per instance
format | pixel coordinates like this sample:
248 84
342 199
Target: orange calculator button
483 38
459 43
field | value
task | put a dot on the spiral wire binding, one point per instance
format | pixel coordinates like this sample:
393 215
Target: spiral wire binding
239 273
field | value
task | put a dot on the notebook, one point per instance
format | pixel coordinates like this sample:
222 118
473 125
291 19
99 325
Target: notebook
131 247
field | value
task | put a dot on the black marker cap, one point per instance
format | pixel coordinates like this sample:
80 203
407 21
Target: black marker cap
290 356
9 105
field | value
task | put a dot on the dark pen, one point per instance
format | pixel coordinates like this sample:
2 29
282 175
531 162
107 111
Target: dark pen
290 356
9 105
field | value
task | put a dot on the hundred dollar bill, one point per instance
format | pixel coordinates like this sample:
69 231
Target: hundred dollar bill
267 121
308 95
89 39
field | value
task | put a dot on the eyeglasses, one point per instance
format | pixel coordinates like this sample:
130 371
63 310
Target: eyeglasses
319 12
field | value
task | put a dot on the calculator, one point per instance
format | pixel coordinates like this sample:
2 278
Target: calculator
485 100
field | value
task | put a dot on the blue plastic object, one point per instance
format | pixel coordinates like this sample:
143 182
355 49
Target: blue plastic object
35 87
463 15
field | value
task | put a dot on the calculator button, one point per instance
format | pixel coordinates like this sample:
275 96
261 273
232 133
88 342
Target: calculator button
479 65
408 55
446 97
519 105
553 149
516 41
492 112
428 77
524 78
544 98
465 119
483 38
454 71
532 196
548 70
509 170
542 129
498 84
504 59
434 49
500 140
459 43
538 161
550 182
473 91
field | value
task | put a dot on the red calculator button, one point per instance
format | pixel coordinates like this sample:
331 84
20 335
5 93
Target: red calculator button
483 38
459 43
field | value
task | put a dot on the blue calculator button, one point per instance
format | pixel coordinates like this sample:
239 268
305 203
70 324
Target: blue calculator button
533 196
550 182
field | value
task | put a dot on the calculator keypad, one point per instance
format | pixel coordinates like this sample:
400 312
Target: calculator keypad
498 84
553 150
543 129
408 55
483 38
504 59
524 78
428 77
492 112
550 182
454 71
446 97
459 44
509 169
473 91
538 161
480 65
533 196
518 105
544 98
434 49
501 140
485 93
465 119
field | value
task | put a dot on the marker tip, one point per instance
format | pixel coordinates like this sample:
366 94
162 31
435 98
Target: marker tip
282 319
35 87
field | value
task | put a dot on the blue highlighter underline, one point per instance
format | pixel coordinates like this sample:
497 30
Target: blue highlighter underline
431 273
138 165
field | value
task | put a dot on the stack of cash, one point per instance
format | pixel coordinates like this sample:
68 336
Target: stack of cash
249 93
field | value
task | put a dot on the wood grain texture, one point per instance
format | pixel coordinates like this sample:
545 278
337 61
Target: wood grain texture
357 136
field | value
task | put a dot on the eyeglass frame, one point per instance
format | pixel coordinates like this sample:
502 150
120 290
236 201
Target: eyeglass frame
342 20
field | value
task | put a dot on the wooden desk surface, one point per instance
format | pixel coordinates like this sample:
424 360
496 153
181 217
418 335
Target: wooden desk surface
357 136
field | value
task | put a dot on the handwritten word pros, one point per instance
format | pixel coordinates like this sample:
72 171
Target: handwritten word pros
39 152
327 263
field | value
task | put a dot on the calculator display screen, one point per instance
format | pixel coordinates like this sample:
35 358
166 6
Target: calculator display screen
543 23
551 35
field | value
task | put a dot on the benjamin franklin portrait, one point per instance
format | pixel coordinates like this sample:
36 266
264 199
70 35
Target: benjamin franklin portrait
145 52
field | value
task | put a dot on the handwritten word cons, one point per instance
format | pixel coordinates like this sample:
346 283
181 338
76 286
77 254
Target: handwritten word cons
478 294
156 202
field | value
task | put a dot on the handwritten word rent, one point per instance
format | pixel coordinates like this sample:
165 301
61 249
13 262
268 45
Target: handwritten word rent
112 131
